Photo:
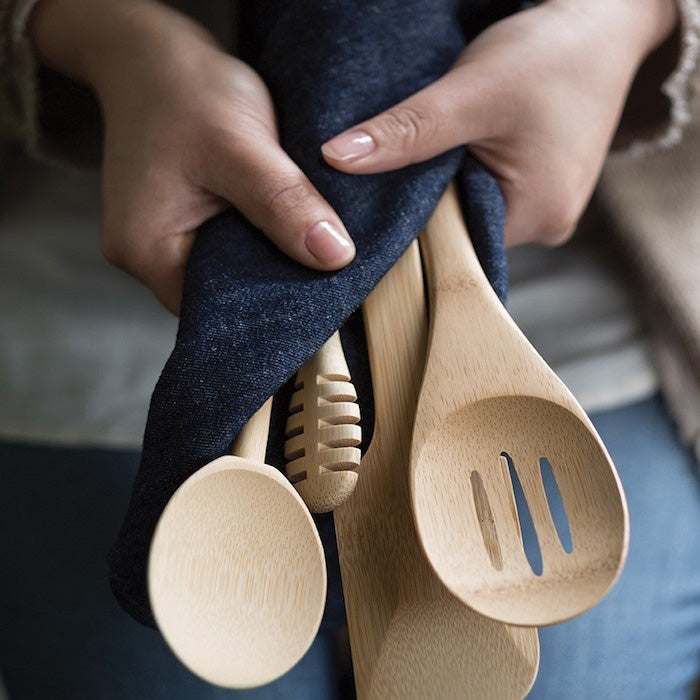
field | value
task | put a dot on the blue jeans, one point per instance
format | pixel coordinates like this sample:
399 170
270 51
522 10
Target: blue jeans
642 641
63 637
62 634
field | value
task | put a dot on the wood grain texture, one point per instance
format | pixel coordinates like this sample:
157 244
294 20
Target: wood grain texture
251 443
410 637
487 397
236 572
322 431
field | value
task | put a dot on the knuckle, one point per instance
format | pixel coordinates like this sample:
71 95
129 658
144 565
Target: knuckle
125 251
560 226
563 211
408 127
284 195
552 239
112 250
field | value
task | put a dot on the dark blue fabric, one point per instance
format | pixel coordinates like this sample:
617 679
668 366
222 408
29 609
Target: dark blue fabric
251 316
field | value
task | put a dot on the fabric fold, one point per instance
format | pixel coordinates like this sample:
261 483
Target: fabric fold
250 315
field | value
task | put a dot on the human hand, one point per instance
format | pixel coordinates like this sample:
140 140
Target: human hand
188 130
536 97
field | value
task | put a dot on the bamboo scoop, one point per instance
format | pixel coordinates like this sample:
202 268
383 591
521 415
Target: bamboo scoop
236 572
409 637
487 397
322 430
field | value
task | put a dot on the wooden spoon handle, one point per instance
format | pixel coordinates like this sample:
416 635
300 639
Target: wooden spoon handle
448 254
251 443
322 431
471 333
396 323
377 545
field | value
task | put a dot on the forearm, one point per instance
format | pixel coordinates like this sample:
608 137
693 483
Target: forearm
656 44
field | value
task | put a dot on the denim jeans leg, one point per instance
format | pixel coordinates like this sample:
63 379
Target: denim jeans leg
62 634
642 642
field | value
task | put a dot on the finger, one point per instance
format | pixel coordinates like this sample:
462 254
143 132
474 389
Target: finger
527 221
270 190
450 112
165 280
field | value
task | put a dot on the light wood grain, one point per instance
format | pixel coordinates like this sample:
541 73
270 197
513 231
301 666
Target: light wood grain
236 572
323 431
251 443
410 637
487 393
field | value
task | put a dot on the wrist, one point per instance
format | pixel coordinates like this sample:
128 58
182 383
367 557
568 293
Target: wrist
93 40
636 27
656 20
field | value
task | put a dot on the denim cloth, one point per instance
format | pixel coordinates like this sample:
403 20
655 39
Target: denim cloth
250 315
63 636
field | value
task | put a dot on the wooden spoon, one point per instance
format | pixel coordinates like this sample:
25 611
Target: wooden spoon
323 431
488 397
236 572
410 637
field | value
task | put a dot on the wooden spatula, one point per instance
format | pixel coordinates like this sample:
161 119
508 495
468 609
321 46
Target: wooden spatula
236 572
488 398
410 637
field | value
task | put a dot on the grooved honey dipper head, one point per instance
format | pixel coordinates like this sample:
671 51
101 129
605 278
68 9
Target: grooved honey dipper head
322 431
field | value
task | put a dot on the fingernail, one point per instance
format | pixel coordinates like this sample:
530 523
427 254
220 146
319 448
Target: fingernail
349 147
329 245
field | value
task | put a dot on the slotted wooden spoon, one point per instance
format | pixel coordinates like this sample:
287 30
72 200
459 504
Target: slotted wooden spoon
410 638
486 396
236 572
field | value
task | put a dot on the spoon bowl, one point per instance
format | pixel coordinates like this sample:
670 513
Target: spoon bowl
236 574
479 522
490 414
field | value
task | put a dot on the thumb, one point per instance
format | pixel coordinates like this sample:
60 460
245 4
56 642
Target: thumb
272 192
447 113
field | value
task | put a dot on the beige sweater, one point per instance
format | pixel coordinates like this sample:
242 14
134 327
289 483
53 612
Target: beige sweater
656 215
655 208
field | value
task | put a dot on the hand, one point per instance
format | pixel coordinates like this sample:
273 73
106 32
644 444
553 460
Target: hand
536 97
188 130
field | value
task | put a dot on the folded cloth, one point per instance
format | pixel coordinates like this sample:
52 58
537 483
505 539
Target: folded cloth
250 315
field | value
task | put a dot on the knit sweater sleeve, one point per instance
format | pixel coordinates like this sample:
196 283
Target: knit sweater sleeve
680 85
658 109
54 117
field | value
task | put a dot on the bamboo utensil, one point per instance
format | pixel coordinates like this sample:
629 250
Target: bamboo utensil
322 431
410 638
236 572
486 398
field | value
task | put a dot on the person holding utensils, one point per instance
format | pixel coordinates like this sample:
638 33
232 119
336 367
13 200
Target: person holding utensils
537 97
